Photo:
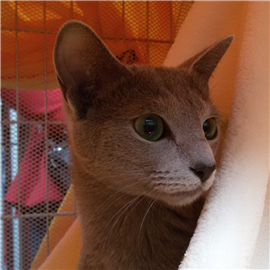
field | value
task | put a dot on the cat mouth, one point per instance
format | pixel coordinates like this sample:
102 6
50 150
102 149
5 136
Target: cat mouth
177 187
180 187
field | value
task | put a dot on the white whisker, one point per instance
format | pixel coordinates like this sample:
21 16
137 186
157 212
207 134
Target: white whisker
139 236
124 208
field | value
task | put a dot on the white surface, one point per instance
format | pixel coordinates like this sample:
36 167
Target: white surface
233 230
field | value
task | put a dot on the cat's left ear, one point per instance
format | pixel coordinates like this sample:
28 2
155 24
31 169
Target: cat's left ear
204 63
85 67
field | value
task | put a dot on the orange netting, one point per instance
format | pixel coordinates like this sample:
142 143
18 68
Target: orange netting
138 30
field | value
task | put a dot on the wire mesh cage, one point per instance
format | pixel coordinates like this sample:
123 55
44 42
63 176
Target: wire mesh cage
34 152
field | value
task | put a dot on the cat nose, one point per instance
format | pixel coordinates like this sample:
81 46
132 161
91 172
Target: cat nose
203 171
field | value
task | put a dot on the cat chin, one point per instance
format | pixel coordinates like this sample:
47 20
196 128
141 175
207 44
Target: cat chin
181 201
180 198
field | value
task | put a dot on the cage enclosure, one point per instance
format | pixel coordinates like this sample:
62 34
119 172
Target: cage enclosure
34 153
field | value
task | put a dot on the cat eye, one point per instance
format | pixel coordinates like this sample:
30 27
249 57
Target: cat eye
149 126
210 128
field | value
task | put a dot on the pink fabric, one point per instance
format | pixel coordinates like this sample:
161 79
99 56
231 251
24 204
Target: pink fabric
32 168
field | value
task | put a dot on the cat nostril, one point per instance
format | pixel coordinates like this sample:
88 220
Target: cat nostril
200 174
203 171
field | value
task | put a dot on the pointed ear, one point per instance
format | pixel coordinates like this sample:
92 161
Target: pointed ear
84 65
204 63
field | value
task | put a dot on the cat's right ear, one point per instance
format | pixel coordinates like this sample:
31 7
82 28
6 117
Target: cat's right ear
204 63
84 65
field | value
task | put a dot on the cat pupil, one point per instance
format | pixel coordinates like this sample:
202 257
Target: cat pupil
149 126
206 126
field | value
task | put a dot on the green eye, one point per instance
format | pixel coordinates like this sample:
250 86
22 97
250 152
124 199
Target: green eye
149 126
210 128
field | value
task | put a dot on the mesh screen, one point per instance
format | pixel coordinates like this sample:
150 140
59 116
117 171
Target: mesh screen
34 152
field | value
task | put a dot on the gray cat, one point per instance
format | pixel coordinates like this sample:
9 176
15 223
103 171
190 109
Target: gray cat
142 141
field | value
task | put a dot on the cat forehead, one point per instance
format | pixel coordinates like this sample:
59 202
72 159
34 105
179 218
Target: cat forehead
155 90
162 81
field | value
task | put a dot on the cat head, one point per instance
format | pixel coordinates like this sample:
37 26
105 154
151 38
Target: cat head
143 130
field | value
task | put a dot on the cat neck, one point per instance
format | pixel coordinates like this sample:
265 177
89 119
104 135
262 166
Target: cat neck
121 231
